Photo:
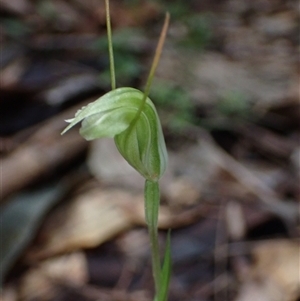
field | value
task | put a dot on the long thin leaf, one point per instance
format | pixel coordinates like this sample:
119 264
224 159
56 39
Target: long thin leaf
165 272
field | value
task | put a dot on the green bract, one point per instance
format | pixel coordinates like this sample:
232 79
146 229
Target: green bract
135 126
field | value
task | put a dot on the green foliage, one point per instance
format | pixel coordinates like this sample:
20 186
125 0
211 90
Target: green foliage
15 28
124 55
198 25
175 102
199 32
128 69
178 8
122 40
132 2
47 10
232 108
233 104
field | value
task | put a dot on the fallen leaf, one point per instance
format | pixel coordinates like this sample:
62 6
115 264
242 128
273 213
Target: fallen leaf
40 283
275 273
89 220
20 218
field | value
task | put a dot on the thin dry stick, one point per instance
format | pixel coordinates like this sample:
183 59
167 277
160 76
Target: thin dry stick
248 180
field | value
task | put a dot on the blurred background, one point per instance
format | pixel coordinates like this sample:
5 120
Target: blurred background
227 92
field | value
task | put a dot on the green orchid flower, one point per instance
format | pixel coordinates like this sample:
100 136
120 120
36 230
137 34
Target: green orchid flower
134 125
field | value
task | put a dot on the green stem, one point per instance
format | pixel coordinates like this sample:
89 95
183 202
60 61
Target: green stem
110 47
152 200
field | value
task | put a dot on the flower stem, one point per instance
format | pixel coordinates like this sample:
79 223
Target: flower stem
157 55
152 200
155 62
110 47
